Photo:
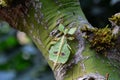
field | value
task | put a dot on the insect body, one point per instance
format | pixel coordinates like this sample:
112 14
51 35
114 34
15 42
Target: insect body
60 51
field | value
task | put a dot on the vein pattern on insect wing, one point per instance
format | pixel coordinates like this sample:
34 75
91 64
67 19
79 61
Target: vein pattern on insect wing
59 51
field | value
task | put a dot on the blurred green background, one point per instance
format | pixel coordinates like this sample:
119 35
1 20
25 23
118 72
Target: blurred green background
21 60
19 57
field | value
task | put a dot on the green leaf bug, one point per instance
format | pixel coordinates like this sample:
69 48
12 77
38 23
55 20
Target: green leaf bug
63 55
60 51
72 31
61 28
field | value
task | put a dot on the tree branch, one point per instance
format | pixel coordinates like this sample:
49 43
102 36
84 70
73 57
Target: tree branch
38 18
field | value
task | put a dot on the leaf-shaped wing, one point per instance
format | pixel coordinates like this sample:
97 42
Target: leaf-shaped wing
61 28
64 55
72 31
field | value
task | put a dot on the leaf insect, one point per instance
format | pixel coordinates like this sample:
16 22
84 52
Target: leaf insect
60 51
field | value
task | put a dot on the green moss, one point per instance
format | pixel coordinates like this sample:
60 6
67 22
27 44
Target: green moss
100 39
115 19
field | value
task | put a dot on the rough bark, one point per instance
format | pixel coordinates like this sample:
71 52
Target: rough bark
40 18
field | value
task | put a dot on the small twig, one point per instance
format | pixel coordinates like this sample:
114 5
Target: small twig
107 76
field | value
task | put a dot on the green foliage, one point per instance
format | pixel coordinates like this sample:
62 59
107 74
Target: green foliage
17 63
9 43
